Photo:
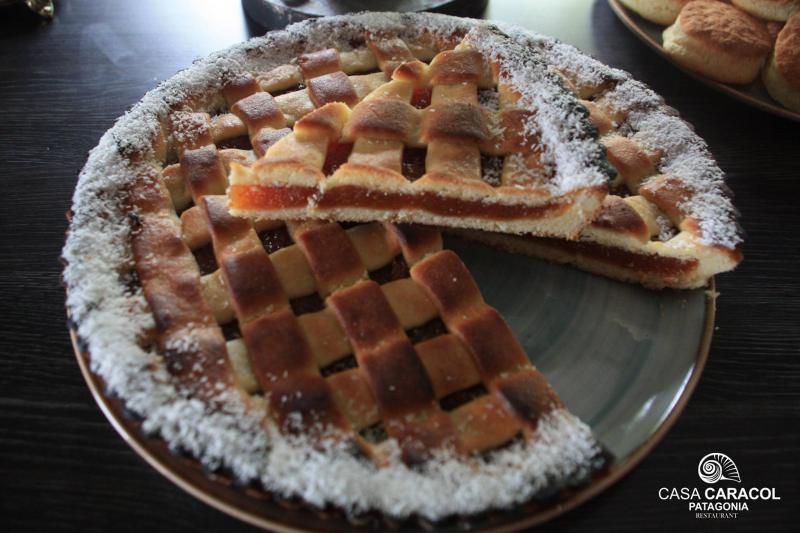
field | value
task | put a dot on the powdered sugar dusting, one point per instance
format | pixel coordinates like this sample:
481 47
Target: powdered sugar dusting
111 319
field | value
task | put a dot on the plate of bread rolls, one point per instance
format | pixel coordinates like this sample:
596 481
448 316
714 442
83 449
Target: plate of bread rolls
749 49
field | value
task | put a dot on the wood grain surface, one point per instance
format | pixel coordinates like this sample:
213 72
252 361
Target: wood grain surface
62 466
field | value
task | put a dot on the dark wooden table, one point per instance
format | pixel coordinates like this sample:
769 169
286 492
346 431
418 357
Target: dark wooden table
62 466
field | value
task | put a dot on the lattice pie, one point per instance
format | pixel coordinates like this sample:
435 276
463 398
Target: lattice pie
354 363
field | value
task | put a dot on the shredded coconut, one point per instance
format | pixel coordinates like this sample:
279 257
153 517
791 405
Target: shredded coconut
569 145
655 125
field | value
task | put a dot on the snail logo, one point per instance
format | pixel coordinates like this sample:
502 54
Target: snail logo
717 467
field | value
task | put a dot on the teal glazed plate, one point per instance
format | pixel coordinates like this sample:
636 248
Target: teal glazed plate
623 358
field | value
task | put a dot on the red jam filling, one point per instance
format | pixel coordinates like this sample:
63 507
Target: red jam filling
656 264
251 197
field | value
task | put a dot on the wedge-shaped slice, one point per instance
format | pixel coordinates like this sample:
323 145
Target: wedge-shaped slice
670 221
475 139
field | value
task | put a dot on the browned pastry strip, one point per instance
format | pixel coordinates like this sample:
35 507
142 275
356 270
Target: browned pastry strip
332 257
249 274
282 361
258 111
239 86
393 370
333 87
188 336
203 171
319 63
416 242
390 52
503 366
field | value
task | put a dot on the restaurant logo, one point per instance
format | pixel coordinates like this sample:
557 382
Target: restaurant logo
718 467
718 502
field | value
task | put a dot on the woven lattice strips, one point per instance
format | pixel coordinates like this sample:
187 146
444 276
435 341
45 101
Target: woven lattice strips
288 356
435 108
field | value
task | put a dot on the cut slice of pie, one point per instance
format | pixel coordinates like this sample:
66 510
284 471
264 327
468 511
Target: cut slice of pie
483 137
669 220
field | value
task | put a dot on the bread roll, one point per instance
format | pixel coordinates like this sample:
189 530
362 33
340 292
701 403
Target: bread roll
718 41
782 74
661 12
779 10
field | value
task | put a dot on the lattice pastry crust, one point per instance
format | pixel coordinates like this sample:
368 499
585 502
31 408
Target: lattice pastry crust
319 359
259 294
453 142
669 220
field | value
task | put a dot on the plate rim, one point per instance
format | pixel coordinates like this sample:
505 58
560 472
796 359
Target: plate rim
176 472
627 18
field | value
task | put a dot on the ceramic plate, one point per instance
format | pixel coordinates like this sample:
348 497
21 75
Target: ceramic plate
624 359
754 94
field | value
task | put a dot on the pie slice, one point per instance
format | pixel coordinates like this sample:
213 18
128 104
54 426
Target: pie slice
669 220
352 365
466 133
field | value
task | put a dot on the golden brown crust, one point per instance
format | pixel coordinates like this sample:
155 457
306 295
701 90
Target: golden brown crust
772 10
787 51
633 163
319 63
618 215
725 28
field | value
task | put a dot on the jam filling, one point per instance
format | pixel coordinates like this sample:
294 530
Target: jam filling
459 398
341 365
428 330
421 97
396 269
264 197
307 304
261 197
336 156
206 260
274 239
231 330
414 162
374 434
655 264
241 143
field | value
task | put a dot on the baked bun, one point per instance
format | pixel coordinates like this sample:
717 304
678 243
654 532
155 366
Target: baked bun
661 12
718 41
782 75
769 9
